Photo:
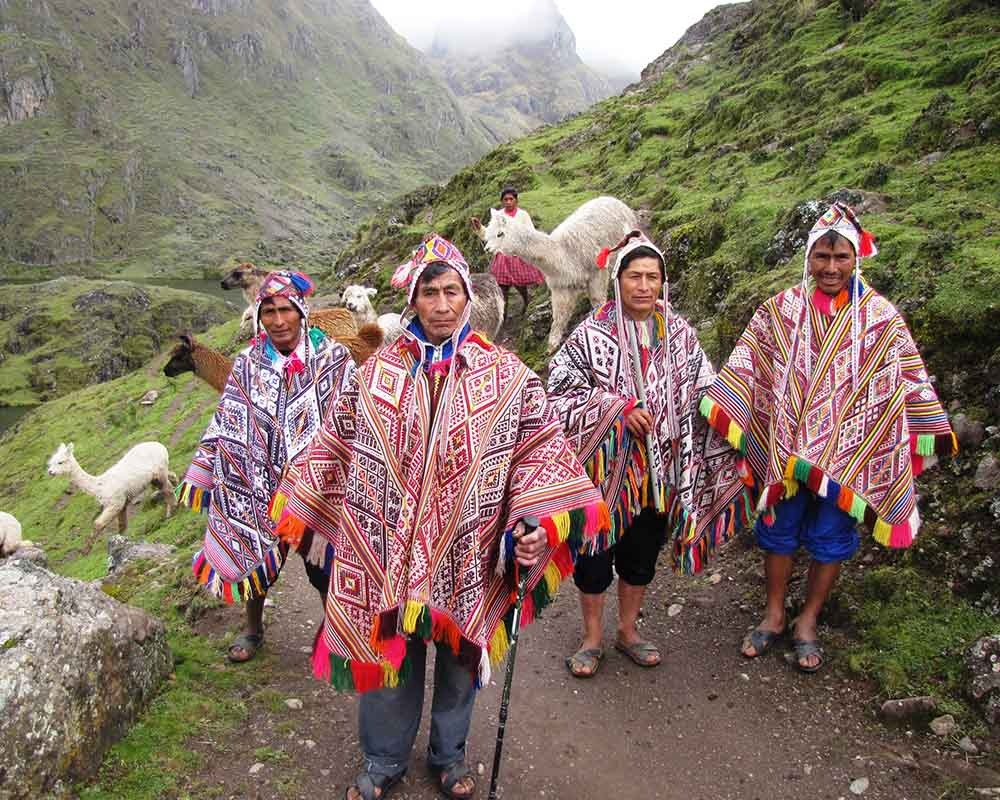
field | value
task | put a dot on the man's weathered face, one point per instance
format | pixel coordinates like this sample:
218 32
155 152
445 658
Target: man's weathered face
509 201
440 302
641 283
282 321
831 266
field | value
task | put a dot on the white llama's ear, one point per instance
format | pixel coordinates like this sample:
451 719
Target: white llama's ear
493 213
69 448
371 292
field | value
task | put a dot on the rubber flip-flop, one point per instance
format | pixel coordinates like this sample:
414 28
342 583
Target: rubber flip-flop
760 640
589 660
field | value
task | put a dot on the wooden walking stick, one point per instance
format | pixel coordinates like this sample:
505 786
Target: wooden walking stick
530 523
652 454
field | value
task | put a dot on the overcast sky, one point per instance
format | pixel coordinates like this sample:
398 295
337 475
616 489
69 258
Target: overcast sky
613 37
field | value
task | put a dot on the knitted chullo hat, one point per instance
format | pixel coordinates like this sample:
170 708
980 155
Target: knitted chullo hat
295 287
840 219
621 252
433 250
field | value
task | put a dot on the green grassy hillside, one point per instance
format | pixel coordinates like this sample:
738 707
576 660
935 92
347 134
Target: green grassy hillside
69 333
103 421
169 138
794 103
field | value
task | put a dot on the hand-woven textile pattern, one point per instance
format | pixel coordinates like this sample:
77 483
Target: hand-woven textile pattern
859 446
416 530
265 419
589 388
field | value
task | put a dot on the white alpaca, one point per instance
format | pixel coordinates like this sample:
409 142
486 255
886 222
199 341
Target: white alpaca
145 463
358 300
10 534
566 256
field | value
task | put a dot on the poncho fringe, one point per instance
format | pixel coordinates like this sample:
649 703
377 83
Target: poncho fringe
251 587
567 532
691 552
925 448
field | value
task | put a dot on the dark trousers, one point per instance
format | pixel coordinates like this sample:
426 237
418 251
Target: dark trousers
633 556
388 719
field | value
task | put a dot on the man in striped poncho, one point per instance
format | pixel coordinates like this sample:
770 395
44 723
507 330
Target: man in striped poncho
828 399
439 455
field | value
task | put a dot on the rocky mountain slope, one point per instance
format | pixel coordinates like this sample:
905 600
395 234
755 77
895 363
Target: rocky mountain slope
731 145
68 333
169 137
510 83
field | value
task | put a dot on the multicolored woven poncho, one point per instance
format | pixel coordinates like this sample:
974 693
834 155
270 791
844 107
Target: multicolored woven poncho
590 389
270 409
806 423
417 478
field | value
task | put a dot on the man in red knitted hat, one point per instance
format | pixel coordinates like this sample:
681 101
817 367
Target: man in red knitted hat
438 469
828 400
626 385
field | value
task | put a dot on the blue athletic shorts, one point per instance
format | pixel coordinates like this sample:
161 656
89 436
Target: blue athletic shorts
826 532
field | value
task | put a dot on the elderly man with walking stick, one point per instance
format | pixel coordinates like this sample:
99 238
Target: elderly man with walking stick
439 468
626 385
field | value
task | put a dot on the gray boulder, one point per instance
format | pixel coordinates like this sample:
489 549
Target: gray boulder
983 662
122 551
970 433
988 474
76 668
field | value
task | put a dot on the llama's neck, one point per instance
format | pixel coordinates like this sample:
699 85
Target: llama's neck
535 247
211 366
251 289
82 479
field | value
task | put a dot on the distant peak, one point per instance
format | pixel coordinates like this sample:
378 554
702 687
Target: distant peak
513 24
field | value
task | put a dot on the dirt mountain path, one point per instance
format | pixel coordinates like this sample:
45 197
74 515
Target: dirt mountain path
705 724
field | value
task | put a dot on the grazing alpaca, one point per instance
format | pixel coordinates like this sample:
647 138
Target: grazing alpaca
10 534
144 464
566 256
487 307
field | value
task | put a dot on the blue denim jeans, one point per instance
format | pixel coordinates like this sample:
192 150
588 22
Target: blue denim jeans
388 719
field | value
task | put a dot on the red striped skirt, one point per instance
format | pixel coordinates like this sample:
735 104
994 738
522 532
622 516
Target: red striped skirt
512 271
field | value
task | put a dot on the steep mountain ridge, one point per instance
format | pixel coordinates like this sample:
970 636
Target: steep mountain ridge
169 137
519 80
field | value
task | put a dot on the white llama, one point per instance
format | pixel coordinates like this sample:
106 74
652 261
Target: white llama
145 463
567 256
358 300
10 534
